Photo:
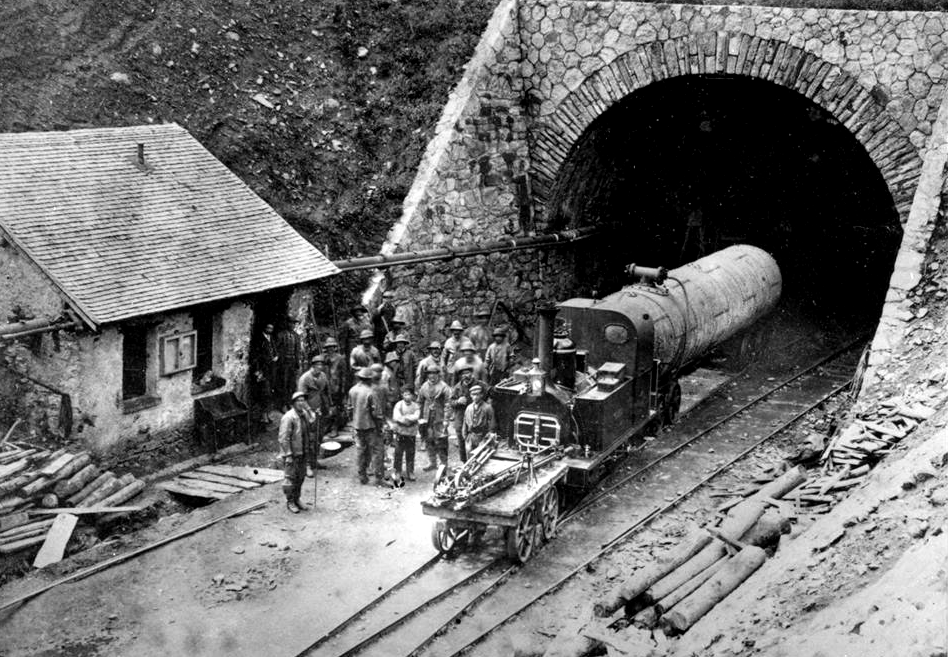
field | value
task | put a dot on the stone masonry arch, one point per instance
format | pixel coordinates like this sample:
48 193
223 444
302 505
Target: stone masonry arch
861 109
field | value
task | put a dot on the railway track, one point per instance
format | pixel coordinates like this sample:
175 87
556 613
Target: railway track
421 614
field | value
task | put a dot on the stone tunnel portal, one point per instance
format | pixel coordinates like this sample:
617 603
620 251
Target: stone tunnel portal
689 165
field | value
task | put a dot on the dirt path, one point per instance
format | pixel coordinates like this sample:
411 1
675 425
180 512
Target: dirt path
263 583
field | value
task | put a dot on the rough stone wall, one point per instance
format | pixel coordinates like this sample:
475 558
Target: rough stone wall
878 73
471 187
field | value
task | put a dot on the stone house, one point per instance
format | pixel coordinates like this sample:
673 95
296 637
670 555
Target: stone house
134 269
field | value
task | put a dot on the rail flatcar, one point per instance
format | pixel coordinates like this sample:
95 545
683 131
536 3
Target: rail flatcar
606 370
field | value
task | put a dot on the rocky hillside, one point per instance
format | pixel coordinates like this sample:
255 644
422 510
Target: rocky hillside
323 108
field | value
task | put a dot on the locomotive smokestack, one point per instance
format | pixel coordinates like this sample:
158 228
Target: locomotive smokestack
544 337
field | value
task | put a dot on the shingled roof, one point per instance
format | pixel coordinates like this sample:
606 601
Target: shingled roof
122 239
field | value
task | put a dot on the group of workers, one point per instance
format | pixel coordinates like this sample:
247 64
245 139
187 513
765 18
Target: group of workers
372 379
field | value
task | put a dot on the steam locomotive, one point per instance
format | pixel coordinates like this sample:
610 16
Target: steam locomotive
605 369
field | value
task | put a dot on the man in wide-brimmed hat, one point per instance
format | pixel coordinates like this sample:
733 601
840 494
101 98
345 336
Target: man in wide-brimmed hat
351 329
434 396
499 357
450 352
433 358
315 385
479 334
367 418
290 349
364 354
295 432
383 319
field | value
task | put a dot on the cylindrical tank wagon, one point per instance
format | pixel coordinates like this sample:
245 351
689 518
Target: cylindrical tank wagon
606 369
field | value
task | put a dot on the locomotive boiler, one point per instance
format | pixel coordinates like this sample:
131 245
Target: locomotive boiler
606 369
612 366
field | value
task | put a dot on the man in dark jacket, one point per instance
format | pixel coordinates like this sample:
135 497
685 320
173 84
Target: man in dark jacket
367 419
337 369
315 385
295 427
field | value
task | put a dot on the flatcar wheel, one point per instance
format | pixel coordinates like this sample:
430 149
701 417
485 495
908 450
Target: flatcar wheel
550 514
520 539
672 404
445 537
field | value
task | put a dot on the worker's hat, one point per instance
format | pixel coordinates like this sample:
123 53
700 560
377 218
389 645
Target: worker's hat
388 294
476 386
366 334
391 356
331 342
500 330
456 326
319 358
466 345
358 308
365 373
434 345
433 368
482 312
401 338
298 395
463 367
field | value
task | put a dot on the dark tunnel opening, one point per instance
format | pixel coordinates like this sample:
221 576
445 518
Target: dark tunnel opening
687 166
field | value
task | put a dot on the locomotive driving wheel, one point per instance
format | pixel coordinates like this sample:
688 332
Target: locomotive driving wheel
549 506
446 537
522 537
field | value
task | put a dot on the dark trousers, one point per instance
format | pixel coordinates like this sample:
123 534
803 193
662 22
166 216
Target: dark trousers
338 420
405 445
462 448
369 451
437 449
294 472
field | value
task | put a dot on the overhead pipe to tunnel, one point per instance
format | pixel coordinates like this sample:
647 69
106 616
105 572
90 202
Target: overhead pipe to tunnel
18 330
467 250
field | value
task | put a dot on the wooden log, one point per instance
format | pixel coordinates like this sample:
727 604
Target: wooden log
687 612
10 548
49 501
28 527
915 411
13 520
782 484
828 483
56 540
81 460
127 493
633 586
27 532
9 504
646 618
68 487
13 469
109 488
36 487
688 587
220 479
16 484
768 529
91 487
848 483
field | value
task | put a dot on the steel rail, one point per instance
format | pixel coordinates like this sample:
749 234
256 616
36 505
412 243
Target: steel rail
595 497
566 519
617 540
372 604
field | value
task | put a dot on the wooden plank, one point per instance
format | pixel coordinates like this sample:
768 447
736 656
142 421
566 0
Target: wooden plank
57 464
55 545
32 529
82 460
220 479
80 511
178 487
10 548
260 475
8 471
13 520
209 485
126 493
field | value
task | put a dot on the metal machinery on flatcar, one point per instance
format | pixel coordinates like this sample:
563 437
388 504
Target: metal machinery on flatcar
605 369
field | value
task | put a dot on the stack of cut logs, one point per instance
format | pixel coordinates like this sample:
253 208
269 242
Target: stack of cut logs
668 597
35 482
850 454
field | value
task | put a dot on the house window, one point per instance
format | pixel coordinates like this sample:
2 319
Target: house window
177 353
134 361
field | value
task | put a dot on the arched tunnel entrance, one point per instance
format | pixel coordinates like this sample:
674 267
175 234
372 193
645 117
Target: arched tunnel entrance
686 166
